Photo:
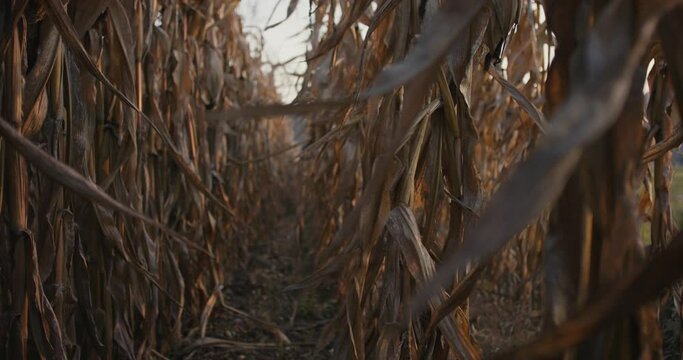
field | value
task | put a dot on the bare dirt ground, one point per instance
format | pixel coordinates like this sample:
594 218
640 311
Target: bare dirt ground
259 290
503 311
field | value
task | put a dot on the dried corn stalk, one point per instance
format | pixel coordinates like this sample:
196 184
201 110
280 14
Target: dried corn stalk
127 204
502 120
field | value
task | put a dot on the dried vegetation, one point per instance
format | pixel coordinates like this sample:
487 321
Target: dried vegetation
127 207
454 159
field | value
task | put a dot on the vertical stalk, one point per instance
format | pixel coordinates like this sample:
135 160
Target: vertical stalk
139 82
16 176
663 171
57 115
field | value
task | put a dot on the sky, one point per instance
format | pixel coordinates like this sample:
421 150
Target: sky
282 43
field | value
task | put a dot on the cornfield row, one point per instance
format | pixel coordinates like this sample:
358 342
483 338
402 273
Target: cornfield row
437 143
118 90
483 122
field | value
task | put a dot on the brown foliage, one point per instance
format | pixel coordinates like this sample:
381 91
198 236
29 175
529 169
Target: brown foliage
446 141
123 204
485 167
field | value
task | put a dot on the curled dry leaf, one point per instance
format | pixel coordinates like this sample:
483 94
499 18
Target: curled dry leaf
587 113
432 46
75 181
